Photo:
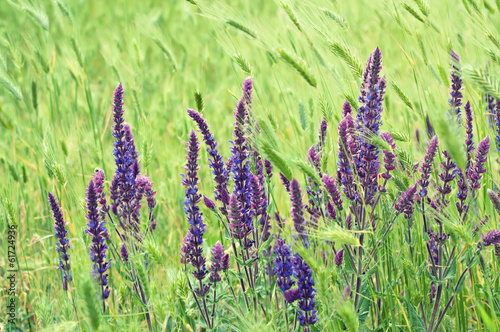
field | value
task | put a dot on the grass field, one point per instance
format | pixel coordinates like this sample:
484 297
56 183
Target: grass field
60 62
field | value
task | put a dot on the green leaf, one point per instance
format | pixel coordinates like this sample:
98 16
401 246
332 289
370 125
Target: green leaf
417 324
452 270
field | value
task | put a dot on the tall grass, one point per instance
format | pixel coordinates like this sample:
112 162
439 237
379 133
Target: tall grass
59 63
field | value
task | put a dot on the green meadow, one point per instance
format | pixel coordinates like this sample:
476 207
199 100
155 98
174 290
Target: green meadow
60 62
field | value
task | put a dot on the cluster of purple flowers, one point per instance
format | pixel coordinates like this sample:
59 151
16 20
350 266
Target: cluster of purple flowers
62 246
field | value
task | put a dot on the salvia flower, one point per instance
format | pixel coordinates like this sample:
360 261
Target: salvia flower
432 293
239 159
495 200
389 156
330 209
239 228
344 169
122 190
285 182
283 265
491 238
292 295
426 168
305 283
269 169
369 122
215 161
194 238
406 201
446 176
339 257
477 171
216 267
346 108
333 191
455 100
208 203
62 245
96 229
462 193
297 212
124 253
469 143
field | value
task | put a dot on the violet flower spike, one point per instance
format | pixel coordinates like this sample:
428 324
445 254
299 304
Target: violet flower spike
305 282
369 121
194 238
492 238
239 159
96 229
298 210
389 156
346 109
333 191
497 118
339 257
283 265
216 267
216 162
285 182
124 253
426 168
469 143
446 176
406 201
456 88
62 245
477 171
344 170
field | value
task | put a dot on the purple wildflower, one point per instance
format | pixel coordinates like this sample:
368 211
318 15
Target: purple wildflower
389 157
292 295
194 238
269 169
369 121
469 143
330 209
446 176
285 182
463 190
239 228
491 238
98 232
124 252
339 257
283 265
455 100
208 203
303 273
225 262
215 161
239 159
217 262
144 188
122 190
477 171
62 245
406 201
428 126
432 292
346 109
426 168
348 221
344 169
333 191
298 210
